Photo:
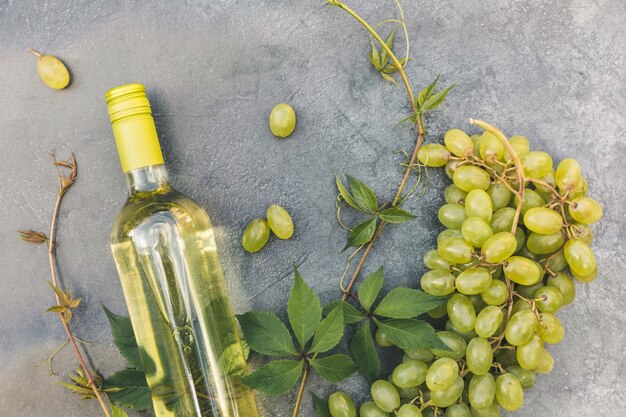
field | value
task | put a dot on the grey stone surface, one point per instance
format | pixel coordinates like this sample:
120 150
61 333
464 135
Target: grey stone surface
551 70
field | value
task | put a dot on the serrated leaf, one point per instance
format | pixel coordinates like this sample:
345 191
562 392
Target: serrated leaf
124 338
321 407
395 215
117 411
384 58
374 56
350 314
329 332
363 195
345 194
410 334
362 233
435 100
134 392
334 368
85 392
275 378
364 352
406 303
266 334
304 309
426 93
369 289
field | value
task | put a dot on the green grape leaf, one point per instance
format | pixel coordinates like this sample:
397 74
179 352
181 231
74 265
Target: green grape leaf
374 56
321 407
384 58
350 314
304 309
362 233
345 194
411 117
405 303
369 289
364 352
275 378
363 195
266 334
124 338
395 215
334 368
329 332
117 411
133 393
435 100
388 78
426 93
410 334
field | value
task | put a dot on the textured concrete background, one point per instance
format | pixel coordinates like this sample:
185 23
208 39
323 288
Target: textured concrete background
551 70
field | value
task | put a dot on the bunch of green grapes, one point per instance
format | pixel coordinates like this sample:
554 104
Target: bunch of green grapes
517 232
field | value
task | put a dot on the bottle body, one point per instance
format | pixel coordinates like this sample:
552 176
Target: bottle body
166 255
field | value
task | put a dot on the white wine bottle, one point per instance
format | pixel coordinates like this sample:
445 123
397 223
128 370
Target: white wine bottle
164 247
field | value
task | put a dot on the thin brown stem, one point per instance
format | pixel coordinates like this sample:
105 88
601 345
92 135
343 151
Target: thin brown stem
32 51
359 266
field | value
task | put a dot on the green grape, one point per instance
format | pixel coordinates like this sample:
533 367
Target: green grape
520 305
429 412
545 244
579 257
520 145
509 392
449 233
461 312
522 270
441 374
499 247
529 353
438 282
448 396
438 312
477 302
452 215
433 155
432 260
550 329
565 284
451 167
490 147
479 356
492 411
279 221
546 363
567 174
543 220
557 262
476 231
536 164
409 374
51 70
586 278
473 281
549 179
585 210
282 120
409 410
408 393
476 140
455 343
496 294
532 199
500 195
488 321
454 195
526 377
478 204
481 391
548 299
506 357
457 410
455 250
341 405
370 409
458 142
381 339
467 336
385 395
520 239
528 291
424 355
469 178
502 220
584 232
520 328
579 191
255 235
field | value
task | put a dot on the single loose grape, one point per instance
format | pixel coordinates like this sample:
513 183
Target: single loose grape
455 250
548 299
567 174
585 210
455 343
454 195
432 260
509 392
546 363
457 410
544 244
282 120
479 356
437 282
433 155
490 147
473 281
478 204
500 195
536 164
543 220
520 328
424 355
458 142
550 328
255 235
381 339
520 145
499 247
476 231
496 294
280 221
481 391
469 178
370 409
341 405
492 411
580 257
565 284
441 374
522 270
488 320
448 396
385 395
502 220
452 215
526 377
409 374
529 354
449 233
409 410
461 312
52 70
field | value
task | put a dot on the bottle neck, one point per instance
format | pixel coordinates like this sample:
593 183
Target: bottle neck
146 179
